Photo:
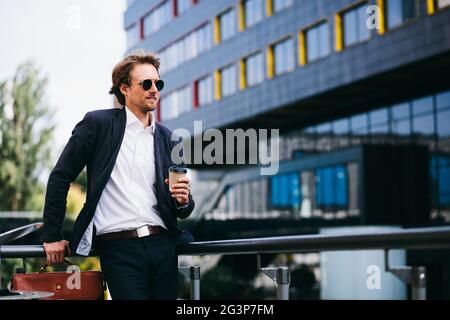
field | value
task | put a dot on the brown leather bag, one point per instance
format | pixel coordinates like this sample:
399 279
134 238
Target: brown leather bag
89 285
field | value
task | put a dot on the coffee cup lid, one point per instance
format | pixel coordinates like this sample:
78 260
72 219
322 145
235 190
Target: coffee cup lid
177 169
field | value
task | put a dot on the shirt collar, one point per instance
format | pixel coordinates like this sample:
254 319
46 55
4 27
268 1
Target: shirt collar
132 119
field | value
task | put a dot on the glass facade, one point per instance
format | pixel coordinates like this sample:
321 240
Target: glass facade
205 91
176 102
279 5
400 11
132 35
254 12
186 48
254 69
183 5
443 3
228 24
157 18
229 80
317 42
284 56
355 25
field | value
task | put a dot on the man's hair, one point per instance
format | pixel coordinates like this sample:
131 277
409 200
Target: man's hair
122 71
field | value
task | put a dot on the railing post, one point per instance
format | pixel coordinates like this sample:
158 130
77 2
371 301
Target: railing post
193 274
414 276
418 283
281 275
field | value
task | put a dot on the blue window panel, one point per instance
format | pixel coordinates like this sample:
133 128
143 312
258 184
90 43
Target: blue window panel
328 186
400 111
401 127
341 186
424 125
319 191
295 190
341 126
284 196
443 124
422 105
443 100
274 191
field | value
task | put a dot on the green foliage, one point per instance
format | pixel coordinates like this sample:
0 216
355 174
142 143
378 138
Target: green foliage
26 131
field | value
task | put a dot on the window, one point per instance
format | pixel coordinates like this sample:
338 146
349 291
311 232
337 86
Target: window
443 100
186 48
176 103
317 42
422 106
132 35
440 173
204 38
355 25
254 69
157 18
183 5
442 3
229 80
379 121
205 91
400 11
227 25
332 188
254 12
279 5
284 56
341 127
443 124
359 124
285 191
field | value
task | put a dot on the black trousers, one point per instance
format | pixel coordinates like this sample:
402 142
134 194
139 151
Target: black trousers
140 268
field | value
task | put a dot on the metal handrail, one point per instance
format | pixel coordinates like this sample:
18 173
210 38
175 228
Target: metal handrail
414 238
417 238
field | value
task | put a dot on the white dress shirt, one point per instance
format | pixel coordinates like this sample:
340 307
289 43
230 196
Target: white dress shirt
129 200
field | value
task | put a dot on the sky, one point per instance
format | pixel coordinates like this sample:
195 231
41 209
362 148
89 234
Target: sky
76 43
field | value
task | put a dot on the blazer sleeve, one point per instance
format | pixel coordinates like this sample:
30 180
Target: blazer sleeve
75 156
182 211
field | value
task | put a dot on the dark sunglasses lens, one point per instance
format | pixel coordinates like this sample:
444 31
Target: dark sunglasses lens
147 84
159 85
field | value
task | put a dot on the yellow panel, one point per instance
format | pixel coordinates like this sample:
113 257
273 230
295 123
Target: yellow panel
302 48
381 18
270 63
242 75
218 86
430 6
338 32
216 30
241 22
269 8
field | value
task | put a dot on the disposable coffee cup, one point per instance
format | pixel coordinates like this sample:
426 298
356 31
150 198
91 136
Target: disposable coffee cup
176 173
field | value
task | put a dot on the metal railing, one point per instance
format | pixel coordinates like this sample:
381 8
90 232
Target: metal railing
417 238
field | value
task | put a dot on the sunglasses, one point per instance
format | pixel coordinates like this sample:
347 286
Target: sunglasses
147 84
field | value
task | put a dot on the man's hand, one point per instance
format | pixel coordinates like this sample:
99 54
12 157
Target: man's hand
55 251
180 190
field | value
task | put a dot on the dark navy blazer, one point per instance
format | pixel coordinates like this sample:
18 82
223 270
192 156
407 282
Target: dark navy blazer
95 143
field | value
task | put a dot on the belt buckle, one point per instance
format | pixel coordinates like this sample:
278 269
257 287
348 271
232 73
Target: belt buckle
143 231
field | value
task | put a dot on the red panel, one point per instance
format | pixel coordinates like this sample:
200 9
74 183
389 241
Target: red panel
194 1
195 94
158 112
141 28
174 7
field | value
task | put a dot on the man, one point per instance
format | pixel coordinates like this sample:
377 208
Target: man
130 215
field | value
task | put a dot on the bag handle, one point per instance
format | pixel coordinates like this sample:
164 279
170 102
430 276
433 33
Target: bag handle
44 267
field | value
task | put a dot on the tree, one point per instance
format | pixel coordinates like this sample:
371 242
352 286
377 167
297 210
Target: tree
26 131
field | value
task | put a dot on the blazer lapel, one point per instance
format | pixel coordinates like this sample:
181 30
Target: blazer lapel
117 133
161 193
